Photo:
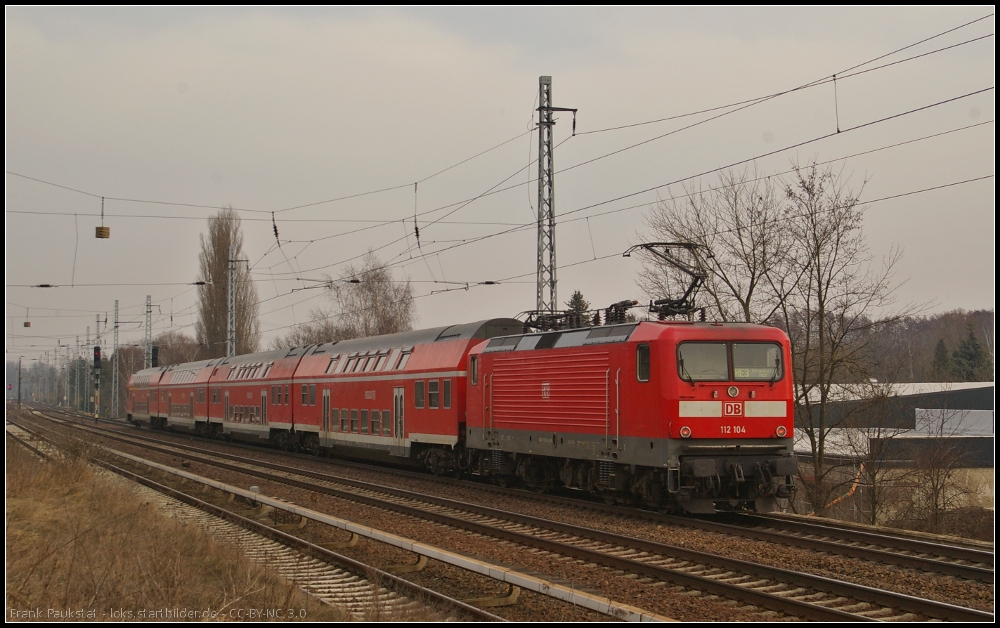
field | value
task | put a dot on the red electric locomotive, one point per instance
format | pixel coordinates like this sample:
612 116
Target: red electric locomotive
671 413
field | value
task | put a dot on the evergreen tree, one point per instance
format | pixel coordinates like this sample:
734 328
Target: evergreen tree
969 362
577 304
941 366
576 311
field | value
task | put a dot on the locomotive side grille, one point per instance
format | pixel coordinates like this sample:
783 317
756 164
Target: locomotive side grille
550 391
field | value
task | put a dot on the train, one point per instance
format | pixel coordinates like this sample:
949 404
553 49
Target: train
674 415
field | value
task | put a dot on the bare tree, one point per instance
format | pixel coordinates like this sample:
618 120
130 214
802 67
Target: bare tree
833 312
740 221
368 301
131 359
938 464
870 430
321 328
225 230
789 253
371 301
176 348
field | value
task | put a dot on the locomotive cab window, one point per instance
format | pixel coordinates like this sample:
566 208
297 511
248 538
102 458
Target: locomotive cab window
703 362
642 363
757 361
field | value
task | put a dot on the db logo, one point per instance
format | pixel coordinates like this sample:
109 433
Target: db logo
545 390
732 408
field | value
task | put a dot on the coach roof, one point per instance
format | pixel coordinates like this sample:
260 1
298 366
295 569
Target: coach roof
468 331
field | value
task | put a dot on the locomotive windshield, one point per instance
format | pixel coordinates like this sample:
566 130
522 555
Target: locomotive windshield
703 361
756 361
709 361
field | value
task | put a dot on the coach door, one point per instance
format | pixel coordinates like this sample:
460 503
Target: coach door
326 410
263 407
398 409
225 410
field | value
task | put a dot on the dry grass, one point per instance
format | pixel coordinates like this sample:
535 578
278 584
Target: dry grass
80 546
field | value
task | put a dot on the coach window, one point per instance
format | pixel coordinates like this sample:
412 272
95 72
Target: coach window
312 394
305 395
364 421
433 394
375 422
403 359
642 363
474 367
418 394
393 356
344 420
447 393
332 366
382 357
286 395
354 421
386 422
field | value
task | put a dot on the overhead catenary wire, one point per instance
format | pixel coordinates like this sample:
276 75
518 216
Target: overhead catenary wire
842 73
697 175
581 209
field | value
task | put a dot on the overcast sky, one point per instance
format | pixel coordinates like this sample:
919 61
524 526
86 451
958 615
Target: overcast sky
267 110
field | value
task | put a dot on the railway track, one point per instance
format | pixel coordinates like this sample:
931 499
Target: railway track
579 599
330 577
365 592
793 593
884 546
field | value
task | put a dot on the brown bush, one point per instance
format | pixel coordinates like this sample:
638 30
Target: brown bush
81 546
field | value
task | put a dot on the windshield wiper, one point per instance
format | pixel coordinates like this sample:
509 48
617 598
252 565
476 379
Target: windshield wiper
684 371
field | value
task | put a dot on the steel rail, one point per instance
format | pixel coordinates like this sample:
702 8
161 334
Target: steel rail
911 604
938 558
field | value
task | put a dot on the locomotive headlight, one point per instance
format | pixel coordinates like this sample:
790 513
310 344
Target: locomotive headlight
781 431
685 432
